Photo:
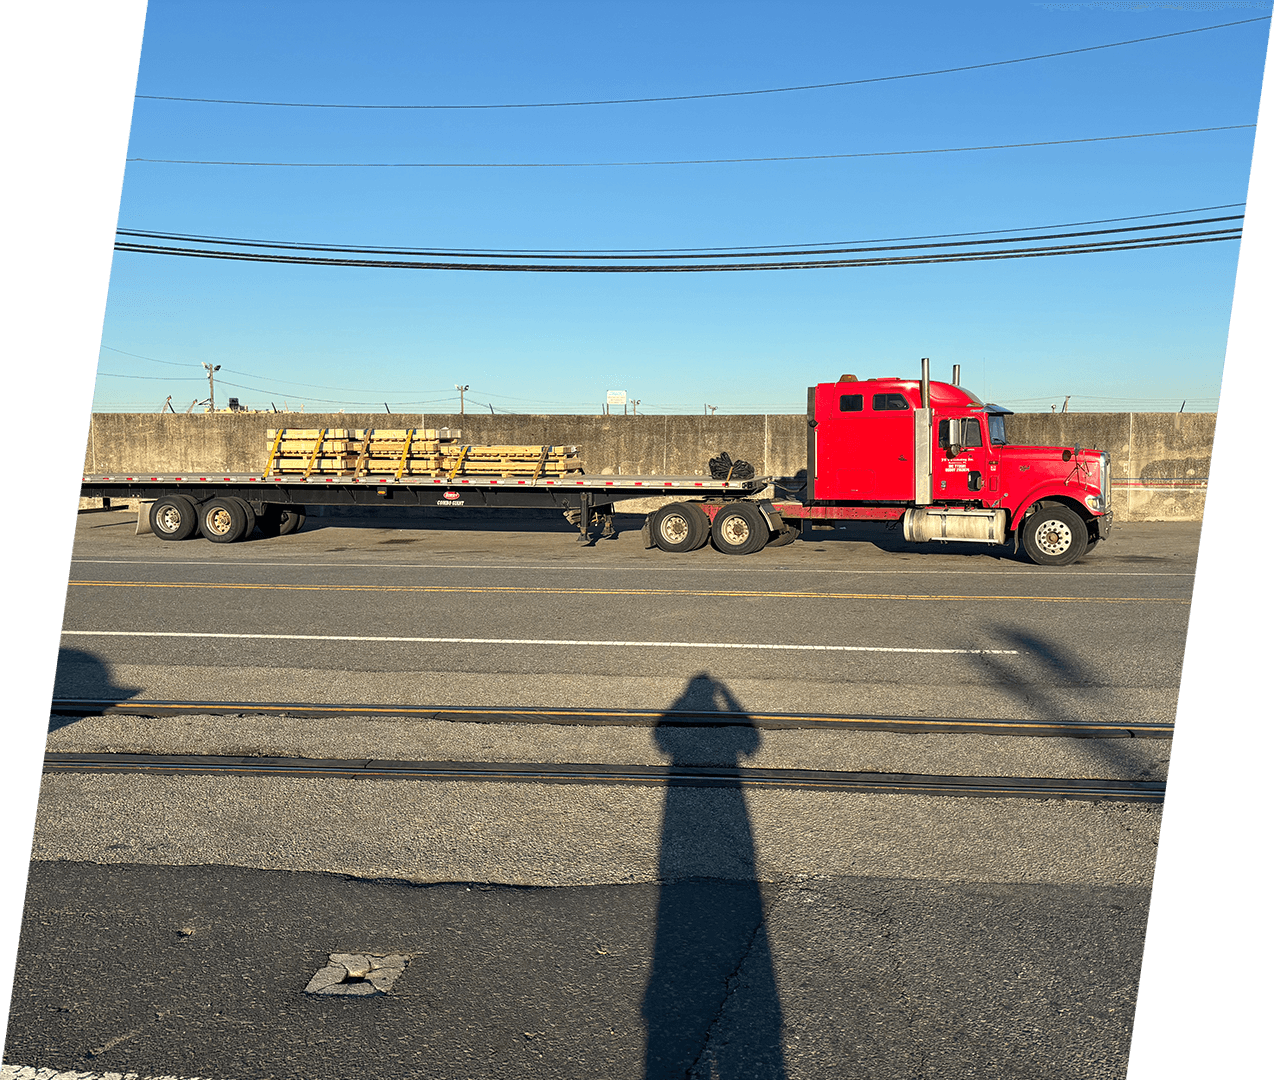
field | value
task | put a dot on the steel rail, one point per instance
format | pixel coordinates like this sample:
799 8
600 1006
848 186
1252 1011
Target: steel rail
620 717
1018 787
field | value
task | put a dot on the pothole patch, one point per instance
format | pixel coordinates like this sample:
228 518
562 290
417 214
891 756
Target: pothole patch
357 974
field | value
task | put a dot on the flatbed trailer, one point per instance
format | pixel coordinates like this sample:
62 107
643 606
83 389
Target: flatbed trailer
277 504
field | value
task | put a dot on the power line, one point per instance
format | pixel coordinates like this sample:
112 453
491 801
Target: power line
583 252
679 161
723 94
253 375
772 252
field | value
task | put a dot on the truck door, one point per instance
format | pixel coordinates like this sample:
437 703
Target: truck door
960 461
865 444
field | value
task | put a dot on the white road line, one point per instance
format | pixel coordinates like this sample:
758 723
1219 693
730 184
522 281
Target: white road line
762 646
29 1072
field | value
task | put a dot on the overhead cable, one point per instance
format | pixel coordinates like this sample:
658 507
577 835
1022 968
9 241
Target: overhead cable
734 252
1088 247
722 94
676 161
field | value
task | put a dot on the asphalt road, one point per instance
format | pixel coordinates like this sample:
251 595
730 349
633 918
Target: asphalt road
466 616
174 922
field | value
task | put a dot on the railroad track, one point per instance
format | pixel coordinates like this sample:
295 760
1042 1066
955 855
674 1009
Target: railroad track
1021 787
619 718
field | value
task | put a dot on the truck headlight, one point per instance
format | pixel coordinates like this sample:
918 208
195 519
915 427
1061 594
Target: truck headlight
1094 503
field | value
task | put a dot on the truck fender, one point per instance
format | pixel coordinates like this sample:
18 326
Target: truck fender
1049 492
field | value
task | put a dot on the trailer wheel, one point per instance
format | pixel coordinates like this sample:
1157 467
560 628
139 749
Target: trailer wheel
173 517
740 528
1054 535
249 516
270 520
291 518
679 527
223 521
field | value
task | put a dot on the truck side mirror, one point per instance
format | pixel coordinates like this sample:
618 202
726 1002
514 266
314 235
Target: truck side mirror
956 441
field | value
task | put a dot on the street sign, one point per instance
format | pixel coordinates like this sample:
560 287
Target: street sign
616 397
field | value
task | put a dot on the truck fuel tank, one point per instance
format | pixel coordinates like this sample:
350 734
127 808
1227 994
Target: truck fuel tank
956 523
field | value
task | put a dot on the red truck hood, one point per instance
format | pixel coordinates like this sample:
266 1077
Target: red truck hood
1058 461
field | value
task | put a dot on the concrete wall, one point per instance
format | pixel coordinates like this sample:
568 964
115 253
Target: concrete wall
1147 449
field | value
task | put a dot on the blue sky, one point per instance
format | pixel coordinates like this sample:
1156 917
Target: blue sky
1139 330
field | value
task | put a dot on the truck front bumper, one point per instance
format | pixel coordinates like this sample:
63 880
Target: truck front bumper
1105 522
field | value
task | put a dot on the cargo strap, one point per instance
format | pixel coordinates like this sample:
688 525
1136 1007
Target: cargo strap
402 465
459 462
318 445
273 452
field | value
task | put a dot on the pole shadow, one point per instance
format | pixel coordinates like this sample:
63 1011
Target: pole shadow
711 1006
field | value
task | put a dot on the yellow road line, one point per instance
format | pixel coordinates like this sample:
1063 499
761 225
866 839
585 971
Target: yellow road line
547 590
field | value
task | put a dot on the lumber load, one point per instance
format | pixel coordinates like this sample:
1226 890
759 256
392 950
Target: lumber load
416 452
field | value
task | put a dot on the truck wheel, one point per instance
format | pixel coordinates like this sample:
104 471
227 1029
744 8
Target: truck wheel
174 517
291 518
223 521
740 528
1054 535
679 527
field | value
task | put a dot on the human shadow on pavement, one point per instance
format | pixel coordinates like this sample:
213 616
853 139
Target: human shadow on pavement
711 1006
82 675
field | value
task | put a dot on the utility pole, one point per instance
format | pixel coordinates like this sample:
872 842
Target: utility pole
636 402
212 404
712 408
462 389
1066 402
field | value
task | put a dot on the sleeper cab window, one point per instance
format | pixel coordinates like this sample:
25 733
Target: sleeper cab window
888 402
851 403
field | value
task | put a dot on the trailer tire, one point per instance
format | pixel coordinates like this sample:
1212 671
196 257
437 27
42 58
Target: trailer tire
1054 535
270 520
740 528
173 517
291 519
679 527
249 515
223 521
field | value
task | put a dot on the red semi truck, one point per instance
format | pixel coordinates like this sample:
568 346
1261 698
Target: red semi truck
928 455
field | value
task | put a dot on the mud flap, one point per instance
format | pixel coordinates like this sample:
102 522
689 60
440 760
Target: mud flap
647 535
143 518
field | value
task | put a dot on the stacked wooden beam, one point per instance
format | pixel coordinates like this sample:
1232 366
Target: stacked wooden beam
418 452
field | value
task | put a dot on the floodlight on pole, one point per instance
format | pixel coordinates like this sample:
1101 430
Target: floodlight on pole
462 389
210 368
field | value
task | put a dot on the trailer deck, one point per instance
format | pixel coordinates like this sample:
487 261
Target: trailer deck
580 496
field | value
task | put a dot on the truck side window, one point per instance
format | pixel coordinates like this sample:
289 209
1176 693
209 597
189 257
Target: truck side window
888 402
851 403
970 432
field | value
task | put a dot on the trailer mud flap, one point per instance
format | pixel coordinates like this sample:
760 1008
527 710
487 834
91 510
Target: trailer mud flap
647 534
772 516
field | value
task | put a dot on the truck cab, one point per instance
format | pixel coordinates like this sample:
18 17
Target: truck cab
941 457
